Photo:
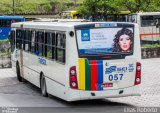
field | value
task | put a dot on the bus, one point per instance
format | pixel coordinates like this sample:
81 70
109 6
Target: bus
118 17
149 25
70 14
114 17
5 25
78 60
5 28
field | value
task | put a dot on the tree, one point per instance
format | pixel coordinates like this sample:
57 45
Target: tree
98 9
140 5
5 7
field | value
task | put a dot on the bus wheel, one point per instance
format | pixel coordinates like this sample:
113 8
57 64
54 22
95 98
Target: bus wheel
19 77
43 86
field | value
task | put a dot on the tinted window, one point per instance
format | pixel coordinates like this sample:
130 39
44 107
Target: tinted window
33 42
60 47
147 21
12 40
5 23
18 39
40 42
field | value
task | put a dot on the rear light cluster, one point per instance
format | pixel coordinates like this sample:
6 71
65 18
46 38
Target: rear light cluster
73 78
138 74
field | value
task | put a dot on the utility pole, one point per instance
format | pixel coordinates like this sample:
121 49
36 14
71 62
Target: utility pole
13 7
75 3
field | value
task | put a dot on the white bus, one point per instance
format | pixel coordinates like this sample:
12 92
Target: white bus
149 25
78 61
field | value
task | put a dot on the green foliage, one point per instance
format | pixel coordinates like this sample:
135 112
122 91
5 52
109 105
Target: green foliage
93 8
140 5
150 45
47 7
34 6
98 8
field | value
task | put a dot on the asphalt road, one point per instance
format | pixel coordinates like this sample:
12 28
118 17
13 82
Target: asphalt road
26 98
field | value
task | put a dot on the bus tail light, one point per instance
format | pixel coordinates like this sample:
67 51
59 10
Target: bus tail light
138 74
73 78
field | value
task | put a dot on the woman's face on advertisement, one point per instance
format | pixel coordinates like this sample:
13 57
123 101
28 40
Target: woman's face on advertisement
125 42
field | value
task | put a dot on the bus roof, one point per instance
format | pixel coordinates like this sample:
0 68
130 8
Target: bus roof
147 13
58 25
11 17
59 20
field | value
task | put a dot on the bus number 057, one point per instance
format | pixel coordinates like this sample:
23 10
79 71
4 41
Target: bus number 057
115 77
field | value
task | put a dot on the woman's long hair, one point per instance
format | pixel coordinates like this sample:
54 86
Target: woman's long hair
123 31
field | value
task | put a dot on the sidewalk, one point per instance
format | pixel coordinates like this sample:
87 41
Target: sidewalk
6 73
6 77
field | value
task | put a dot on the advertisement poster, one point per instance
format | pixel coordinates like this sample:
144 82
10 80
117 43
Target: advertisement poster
105 40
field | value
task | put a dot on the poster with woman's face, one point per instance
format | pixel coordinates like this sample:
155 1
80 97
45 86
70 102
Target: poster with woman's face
105 40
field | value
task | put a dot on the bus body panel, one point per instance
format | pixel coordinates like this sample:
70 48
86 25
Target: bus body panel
4 33
105 74
30 67
60 92
115 93
51 70
149 33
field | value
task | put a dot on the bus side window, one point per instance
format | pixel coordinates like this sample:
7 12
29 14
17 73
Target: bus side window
29 40
26 36
12 40
45 44
23 40
53 45
5 23
40 46
147 21
33 42
60 47
48 45
36 42
18 39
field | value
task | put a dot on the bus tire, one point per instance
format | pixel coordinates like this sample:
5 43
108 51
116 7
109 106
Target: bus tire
43 86
19 77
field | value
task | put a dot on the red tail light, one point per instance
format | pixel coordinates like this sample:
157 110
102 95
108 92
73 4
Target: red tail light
73 78
138 74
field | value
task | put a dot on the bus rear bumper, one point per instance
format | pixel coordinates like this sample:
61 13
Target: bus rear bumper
87 95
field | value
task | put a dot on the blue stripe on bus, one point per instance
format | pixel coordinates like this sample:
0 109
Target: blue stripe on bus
100 74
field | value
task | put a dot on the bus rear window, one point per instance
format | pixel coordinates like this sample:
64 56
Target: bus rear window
105 41
5 23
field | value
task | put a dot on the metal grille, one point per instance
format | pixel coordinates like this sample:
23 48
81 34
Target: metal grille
5 61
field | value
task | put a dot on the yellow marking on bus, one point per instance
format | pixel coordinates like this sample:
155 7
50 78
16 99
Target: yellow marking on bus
82 73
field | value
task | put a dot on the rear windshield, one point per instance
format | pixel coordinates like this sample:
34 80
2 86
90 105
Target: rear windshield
106 42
